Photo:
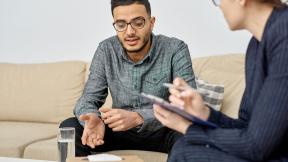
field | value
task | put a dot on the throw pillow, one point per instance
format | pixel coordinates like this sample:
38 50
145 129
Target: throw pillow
212 93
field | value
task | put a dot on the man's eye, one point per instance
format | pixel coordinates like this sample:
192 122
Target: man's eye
121 25
138 23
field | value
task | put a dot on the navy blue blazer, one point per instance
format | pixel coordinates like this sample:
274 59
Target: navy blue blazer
260 133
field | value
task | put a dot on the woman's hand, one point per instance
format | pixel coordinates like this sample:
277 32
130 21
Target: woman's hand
171 120
189 99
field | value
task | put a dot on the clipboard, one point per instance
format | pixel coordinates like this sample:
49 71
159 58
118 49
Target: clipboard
179 111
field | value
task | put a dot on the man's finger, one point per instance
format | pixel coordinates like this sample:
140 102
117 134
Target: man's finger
111 119
90 142
119 128
84 138
108 114
116 124
105 109
98 142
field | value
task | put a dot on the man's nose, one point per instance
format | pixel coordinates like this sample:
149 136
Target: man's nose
130 30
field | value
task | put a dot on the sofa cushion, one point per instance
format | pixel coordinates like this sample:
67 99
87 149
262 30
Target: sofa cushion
227 70
15 136
40 92
42 150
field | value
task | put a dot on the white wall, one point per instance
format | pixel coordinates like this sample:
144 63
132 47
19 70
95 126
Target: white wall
52 30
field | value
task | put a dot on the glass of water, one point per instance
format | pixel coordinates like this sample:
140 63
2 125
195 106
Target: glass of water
66 143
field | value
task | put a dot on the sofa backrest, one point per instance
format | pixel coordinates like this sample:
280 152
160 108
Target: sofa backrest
227 70
48 92
40 92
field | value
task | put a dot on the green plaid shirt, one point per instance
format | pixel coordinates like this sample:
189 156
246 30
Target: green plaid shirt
110 68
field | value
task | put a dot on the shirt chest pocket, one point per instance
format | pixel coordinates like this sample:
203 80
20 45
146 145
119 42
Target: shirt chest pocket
153 83
156 78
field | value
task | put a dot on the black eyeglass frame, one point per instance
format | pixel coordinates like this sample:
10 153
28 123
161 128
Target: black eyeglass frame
131 24
215 3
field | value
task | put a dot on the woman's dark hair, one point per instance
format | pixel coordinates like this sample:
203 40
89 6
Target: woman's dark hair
275 3
116 3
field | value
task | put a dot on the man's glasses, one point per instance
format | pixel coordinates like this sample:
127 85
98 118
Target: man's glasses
217 2
136 23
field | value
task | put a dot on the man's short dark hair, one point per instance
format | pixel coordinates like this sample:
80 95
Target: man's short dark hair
116 3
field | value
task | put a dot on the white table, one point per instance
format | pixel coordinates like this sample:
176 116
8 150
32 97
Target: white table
8 159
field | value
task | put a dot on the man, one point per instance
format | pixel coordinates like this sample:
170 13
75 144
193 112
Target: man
132 62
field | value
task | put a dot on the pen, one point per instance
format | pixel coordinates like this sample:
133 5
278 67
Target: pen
182 88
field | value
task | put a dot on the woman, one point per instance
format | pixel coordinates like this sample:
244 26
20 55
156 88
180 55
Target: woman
260 133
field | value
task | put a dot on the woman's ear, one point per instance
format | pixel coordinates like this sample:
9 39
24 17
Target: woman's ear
243 3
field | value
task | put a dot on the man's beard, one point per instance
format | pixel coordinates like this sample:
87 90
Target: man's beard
146 41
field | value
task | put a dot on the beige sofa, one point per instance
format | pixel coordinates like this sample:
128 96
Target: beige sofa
34 98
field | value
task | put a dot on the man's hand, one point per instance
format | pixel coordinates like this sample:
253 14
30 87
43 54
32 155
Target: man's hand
94 130
119 119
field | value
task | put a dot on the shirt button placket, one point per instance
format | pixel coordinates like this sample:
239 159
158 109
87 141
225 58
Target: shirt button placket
135 78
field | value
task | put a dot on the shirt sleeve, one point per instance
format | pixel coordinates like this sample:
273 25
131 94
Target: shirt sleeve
96 88
150 122
268 122
182 65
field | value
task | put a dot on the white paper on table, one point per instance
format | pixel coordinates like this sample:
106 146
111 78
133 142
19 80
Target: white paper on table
104 157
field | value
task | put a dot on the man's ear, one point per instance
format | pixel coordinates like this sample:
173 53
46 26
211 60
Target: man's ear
152 21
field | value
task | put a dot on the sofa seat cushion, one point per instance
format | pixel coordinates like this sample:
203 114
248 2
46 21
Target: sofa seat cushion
147 156
15 136
227 70
44 92
42 150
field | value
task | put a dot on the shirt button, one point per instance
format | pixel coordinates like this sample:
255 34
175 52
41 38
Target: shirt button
207 146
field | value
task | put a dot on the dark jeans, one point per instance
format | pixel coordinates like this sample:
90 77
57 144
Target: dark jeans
161 140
